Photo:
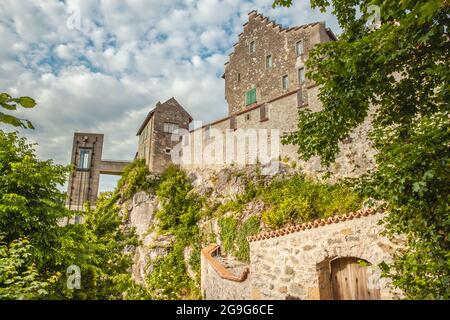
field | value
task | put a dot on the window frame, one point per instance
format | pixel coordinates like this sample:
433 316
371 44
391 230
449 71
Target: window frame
263 113
286 76
82 160
269 58
301 52
169 124
301 72
252 47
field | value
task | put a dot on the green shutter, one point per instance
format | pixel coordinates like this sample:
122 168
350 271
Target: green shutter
250 96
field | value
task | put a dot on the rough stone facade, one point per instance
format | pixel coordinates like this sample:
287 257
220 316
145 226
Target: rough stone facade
155 134
281 114
290 264
276 108
248 69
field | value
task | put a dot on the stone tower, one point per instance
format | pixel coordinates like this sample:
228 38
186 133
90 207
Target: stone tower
87 166
268 62
157 133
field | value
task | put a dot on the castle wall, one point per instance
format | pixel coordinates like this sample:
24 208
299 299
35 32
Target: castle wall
295 264
355 158
292 265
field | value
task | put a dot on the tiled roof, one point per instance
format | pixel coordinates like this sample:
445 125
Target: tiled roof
309 225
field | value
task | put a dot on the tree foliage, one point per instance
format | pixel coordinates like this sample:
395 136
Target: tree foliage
36 247
400 70
31 203
18 275
9 103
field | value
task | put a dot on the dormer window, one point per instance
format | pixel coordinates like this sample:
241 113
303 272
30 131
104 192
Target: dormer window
252 47
299 49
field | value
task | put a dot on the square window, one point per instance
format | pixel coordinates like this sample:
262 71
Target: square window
301 75
252 47
299 48
250 97
285 82
269 61
167 150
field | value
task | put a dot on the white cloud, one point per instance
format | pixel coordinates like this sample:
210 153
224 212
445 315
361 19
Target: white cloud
126 56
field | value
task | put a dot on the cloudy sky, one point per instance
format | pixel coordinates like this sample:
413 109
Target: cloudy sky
100 65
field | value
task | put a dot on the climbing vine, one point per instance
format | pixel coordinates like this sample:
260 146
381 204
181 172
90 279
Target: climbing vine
178 216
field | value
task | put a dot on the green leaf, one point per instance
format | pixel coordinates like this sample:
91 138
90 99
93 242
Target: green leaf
8 106
29 124
4 97
8 119
27 102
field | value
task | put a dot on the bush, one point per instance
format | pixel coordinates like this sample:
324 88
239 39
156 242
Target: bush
136 177
298 200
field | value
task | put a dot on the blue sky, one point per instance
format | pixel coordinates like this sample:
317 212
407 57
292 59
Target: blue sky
100 65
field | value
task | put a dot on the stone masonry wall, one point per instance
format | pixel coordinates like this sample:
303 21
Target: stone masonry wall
288 266
355 158
296 265
247 70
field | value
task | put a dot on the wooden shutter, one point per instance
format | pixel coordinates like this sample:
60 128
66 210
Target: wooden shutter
250 97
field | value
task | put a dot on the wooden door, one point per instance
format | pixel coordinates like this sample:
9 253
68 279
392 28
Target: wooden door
349 281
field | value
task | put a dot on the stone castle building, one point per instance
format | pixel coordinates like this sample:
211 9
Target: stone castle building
156 133
265 88
268 63
327 259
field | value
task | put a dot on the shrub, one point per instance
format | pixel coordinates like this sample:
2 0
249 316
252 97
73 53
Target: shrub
299 199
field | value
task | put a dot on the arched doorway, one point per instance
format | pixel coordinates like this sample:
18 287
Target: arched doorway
349 280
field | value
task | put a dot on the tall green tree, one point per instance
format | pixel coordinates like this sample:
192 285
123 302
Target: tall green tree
401 69
31 203
36 248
